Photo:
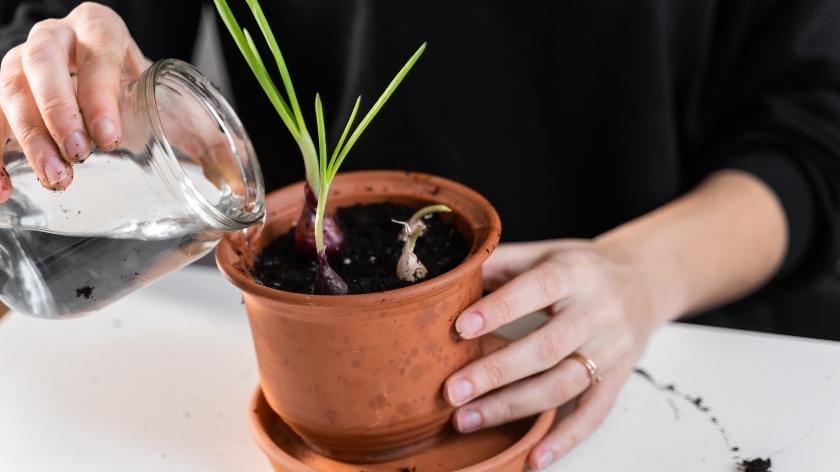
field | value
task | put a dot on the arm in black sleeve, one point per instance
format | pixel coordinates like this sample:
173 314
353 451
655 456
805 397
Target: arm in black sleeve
18 16
773 109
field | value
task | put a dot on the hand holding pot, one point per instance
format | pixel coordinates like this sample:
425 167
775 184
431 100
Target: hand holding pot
597 310
59 91
711 246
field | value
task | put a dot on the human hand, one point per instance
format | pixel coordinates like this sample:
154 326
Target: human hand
59 91
598 307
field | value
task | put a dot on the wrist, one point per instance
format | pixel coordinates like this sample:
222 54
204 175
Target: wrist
713 245
654 276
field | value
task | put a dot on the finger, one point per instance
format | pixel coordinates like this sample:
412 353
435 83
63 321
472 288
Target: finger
100 50
25 123
45 59
5 181
510 260
534 353
535 289
592 408
548 390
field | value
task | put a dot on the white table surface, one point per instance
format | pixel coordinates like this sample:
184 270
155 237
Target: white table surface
160 381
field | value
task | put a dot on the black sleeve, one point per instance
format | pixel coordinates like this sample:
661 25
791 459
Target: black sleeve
18 16
162 28
773 109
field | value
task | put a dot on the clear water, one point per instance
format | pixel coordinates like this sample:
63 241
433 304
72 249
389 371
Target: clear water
55 276
116 228
114 194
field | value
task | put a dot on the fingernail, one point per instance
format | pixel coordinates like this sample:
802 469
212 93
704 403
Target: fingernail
545 458
459 391
57 173
468 420
76 145
105 132
469 324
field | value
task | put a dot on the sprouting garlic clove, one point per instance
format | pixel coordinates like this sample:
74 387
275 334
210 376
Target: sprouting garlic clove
408 228
410 268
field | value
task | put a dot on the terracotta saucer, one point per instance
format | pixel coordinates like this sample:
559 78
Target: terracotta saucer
501 449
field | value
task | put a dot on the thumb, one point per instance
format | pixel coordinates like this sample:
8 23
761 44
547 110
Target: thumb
5 181
512 259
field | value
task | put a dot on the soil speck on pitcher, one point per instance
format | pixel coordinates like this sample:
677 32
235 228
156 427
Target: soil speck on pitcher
86 291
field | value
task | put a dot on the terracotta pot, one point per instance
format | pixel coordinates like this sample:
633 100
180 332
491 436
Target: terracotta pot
359 377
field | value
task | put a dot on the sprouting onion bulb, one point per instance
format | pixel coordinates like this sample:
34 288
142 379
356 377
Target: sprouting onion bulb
409 267
317 234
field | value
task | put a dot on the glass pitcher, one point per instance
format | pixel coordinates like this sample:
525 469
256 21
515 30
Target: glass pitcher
184 174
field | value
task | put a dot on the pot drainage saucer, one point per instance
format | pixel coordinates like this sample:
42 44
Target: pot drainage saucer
501 449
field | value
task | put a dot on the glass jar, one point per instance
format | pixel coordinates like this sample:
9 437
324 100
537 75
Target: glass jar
184 173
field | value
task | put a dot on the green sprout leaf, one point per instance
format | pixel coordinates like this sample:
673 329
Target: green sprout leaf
346 129
321 165
389 90
256 10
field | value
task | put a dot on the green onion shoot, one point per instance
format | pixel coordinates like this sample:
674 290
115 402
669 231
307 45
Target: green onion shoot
316 233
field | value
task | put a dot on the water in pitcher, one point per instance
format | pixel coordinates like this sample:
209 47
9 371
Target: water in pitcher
184 174
98 257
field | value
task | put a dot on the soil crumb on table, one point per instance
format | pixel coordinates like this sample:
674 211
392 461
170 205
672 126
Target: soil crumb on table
756 465
744 465
368 258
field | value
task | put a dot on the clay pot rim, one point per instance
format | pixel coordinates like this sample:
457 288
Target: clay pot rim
277 455
225 255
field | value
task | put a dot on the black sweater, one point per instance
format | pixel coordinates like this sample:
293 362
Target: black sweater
571 117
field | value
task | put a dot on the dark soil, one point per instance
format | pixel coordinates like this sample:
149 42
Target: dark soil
756 465
368 259
85 291
745 465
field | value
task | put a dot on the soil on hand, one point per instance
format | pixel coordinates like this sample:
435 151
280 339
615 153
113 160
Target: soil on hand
368 258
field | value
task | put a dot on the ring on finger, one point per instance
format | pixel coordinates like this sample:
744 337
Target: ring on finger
590 365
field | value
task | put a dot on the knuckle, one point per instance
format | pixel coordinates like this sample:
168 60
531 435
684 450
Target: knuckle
41 28
38 50
562 390
500 411
612 315
56 108
11 61
573 439
502 311
30 133
96 17
104 57
577 261
551 347
582 325
625 342
493 374
11 85
550 280
90 10
576 327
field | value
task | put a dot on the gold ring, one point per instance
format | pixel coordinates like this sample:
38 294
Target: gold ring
590 365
